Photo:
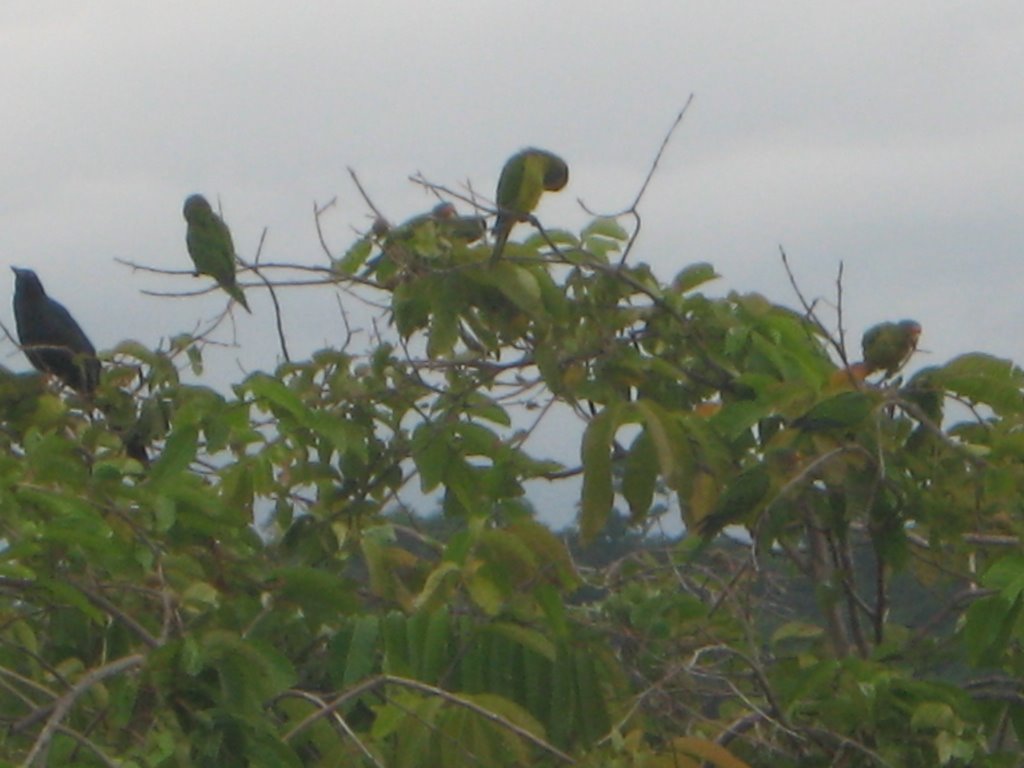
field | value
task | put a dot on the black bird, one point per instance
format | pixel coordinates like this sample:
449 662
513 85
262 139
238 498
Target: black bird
51 339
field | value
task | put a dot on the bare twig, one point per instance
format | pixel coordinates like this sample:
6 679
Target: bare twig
440 191
136 267
105 605
86 742
365 196
338 719
273 294
840 330
634 208
66 701
382 680
318 211
809 311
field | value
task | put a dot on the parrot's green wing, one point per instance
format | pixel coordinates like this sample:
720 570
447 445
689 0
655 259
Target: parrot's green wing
508 198
524 178
467 229
210 246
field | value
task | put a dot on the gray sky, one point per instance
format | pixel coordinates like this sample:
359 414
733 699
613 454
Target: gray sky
887 135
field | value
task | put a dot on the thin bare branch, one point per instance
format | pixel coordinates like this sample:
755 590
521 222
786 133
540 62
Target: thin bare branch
86 742
365 196
382 680
67 700
134 266
809 309
634 209
338 719
273 295
318 211
840 329
105 605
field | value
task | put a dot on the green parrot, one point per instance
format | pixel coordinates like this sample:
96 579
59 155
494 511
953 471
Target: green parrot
443 217
467 229
525 177
210 246
888 346
401 245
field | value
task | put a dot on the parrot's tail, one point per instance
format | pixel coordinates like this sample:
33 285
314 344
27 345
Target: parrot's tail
502 228
236 293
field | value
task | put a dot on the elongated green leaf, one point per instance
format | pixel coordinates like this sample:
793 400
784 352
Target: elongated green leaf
563 697
362 650
598 495
709 751
847 410
435 646
433 453
444 329
472 659
692 276
178 453
605 227
354 257
519 285
665 438
525 636
989 624
396 644
640 475
436 587
319 593
593 712
741 499
983 379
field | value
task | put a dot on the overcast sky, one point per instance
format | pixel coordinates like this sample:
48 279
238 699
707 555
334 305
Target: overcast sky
888 135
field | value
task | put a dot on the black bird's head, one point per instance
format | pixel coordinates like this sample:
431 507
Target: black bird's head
195 205
26 282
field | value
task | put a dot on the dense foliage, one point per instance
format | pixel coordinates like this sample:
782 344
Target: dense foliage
258 594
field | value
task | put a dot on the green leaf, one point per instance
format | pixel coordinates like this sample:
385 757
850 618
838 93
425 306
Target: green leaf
519 285
640 475
354 257
1007 575
362 650
435 646
319 593
665 437
437 586
444 323
714 754
743 496
525 636
341 434
485 594
605 227
988 626
250 671
932 715
598 495
692 276
984 379
433 453
846 410
393 628
68 595
594 721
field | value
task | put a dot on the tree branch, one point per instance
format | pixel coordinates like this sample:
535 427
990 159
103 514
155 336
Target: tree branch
383 680
63 705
